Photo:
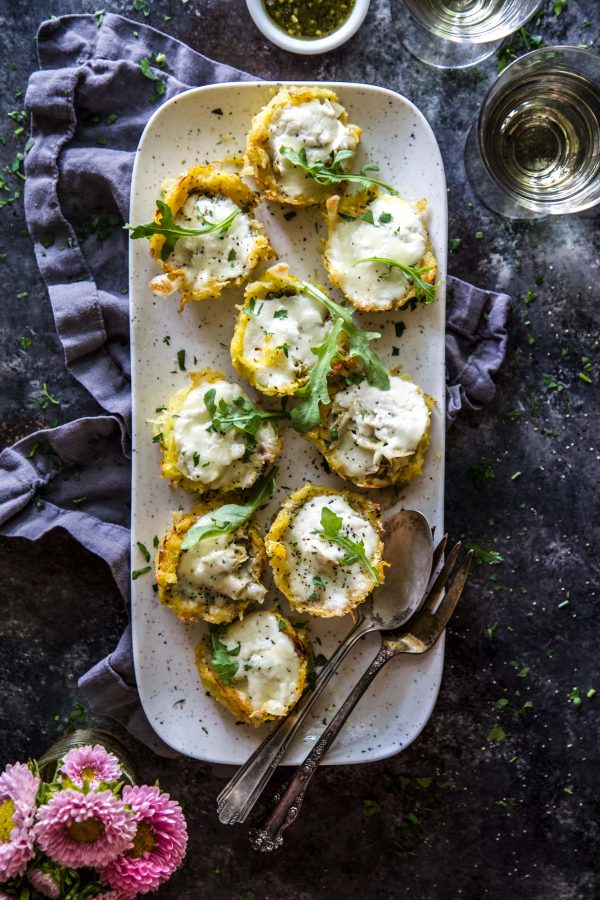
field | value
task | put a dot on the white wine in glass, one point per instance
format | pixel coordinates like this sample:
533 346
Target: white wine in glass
535 149
454 34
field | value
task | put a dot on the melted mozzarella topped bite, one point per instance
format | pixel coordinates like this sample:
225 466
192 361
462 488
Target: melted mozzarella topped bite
314 126
220 567
269 665
397 233
205 455
374 426
279 336
216 255
314 562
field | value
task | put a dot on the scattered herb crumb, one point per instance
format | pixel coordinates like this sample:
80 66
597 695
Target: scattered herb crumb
371 808
497 733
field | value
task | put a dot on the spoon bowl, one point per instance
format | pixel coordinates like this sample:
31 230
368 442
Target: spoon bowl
409 553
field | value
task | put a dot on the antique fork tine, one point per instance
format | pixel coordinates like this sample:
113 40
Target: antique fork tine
437 555
417 635
437 589
443 613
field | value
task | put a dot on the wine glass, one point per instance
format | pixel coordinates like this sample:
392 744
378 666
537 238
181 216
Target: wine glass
535 148
454 34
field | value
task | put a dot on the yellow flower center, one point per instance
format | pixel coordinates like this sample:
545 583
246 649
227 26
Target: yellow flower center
88 773
7 811
143 840
85 832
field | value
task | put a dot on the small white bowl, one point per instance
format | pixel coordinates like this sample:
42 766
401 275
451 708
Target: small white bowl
308 46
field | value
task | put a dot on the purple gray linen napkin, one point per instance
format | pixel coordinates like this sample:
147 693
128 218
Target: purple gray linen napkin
89 103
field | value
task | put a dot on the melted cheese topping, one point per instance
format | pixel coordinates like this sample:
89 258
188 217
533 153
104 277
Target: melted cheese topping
402 238
215 460
374 426
219 568
279 337
269 666
314 125
213 256
314 562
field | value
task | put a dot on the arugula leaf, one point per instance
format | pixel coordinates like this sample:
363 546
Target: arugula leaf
424 290
231 516
242 414
224 666
172 232
355 551
334 174
358 339
307 414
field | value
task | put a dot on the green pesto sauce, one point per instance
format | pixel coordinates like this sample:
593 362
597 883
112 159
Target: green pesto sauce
308 19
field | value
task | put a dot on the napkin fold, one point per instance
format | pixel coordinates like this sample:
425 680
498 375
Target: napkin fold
89 104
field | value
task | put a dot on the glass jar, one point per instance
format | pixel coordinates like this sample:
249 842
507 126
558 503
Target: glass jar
80 738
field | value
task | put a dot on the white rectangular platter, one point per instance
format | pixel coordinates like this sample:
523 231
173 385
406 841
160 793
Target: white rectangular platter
200 126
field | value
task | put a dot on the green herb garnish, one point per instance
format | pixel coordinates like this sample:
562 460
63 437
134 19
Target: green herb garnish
484 554
146 69
355 551
307 414
334 174
231 516
221 661
143 550
172 231
242 414
413 273
251 310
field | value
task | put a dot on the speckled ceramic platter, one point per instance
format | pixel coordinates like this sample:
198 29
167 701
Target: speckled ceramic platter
201 126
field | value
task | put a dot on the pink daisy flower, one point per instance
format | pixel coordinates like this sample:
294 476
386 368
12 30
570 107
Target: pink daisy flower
79 829
159 844
18 789
92 764
44 883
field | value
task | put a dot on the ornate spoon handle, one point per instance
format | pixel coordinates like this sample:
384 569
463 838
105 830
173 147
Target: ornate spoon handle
238 798
269 834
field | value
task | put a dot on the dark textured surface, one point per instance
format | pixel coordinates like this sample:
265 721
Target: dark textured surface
458 814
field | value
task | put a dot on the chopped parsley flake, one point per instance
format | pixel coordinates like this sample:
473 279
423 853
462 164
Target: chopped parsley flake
143 550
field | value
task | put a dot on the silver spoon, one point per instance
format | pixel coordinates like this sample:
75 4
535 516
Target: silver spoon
409 550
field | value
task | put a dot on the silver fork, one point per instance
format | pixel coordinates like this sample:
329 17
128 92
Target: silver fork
418 635
408 544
